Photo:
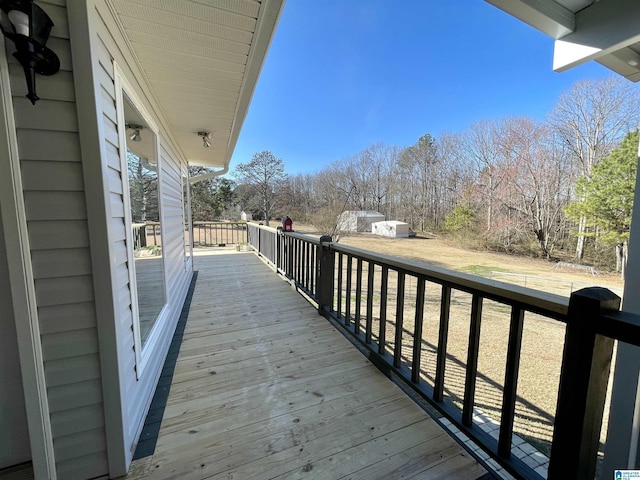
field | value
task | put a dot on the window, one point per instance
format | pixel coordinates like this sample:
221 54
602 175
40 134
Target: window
144 222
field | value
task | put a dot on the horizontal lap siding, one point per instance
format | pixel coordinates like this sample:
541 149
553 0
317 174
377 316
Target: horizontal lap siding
51 167
173 218
117 232
137 393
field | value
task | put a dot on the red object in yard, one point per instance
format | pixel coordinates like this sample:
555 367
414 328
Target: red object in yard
287 224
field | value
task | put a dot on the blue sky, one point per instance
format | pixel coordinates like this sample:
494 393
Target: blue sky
341 75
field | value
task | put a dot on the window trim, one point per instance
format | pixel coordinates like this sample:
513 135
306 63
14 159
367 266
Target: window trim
144 352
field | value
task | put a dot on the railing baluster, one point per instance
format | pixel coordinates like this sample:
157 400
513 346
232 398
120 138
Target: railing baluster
397 351
307 262
314 265
369 327
443 334
305 265
356 323
384 287
347 309
291 249
298 261
472 361
339 288
417 331
511 381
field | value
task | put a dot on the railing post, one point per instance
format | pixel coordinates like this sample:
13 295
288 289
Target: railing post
584 377
276 255
325 271
143 236
289 255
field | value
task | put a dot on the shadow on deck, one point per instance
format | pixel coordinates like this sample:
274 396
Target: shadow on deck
266 388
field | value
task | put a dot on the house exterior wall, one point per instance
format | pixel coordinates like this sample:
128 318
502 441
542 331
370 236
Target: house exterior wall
56 215
137 381
97 392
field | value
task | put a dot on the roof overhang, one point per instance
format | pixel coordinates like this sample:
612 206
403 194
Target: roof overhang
607 31
201 60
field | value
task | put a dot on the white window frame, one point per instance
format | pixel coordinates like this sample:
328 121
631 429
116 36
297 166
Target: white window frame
186 190
142 352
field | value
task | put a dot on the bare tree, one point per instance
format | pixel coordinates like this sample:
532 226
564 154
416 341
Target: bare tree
378 158
536 180
592 118
481 148
265 176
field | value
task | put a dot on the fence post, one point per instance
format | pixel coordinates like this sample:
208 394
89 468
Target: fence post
586 362
324 278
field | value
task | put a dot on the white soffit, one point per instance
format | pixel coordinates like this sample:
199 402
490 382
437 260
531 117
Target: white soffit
202 59
607 31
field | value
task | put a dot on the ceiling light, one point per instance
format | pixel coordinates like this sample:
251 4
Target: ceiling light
206 138
135 136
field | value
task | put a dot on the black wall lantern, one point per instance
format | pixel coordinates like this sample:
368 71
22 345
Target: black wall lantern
28 26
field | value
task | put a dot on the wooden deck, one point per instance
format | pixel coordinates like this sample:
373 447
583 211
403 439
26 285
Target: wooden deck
266 388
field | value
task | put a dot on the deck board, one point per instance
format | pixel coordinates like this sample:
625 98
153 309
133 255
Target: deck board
265 388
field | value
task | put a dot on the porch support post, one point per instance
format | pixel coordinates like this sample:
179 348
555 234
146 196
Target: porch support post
324 281
583 386
621 449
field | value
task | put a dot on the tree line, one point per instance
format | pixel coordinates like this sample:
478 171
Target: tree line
514 184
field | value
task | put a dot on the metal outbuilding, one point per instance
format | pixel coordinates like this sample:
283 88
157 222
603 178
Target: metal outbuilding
391 228
358 220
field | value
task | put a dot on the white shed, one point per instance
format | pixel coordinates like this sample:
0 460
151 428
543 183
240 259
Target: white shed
358 220
246 216
391 228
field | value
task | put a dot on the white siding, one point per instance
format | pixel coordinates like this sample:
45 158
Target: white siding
173 220
117 230
54 196
137 392
14 432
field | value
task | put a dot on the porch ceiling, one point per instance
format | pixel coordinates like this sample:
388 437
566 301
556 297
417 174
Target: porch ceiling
202 59
606 31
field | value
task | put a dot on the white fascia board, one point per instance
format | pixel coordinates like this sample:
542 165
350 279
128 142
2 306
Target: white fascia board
601 29
625 62
547 16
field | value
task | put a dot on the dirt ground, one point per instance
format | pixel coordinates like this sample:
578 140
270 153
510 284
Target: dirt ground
440 252
543 339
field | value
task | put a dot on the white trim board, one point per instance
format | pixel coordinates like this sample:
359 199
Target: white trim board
22 285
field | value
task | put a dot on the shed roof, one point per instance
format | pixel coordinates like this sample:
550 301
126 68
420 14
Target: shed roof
364 213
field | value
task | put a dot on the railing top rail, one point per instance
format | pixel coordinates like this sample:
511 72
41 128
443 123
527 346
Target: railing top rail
549 304
142 224
622 326
201 222
263 227
301 236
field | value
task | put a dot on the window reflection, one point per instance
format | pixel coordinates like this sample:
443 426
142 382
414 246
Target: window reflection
187 216
142 174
